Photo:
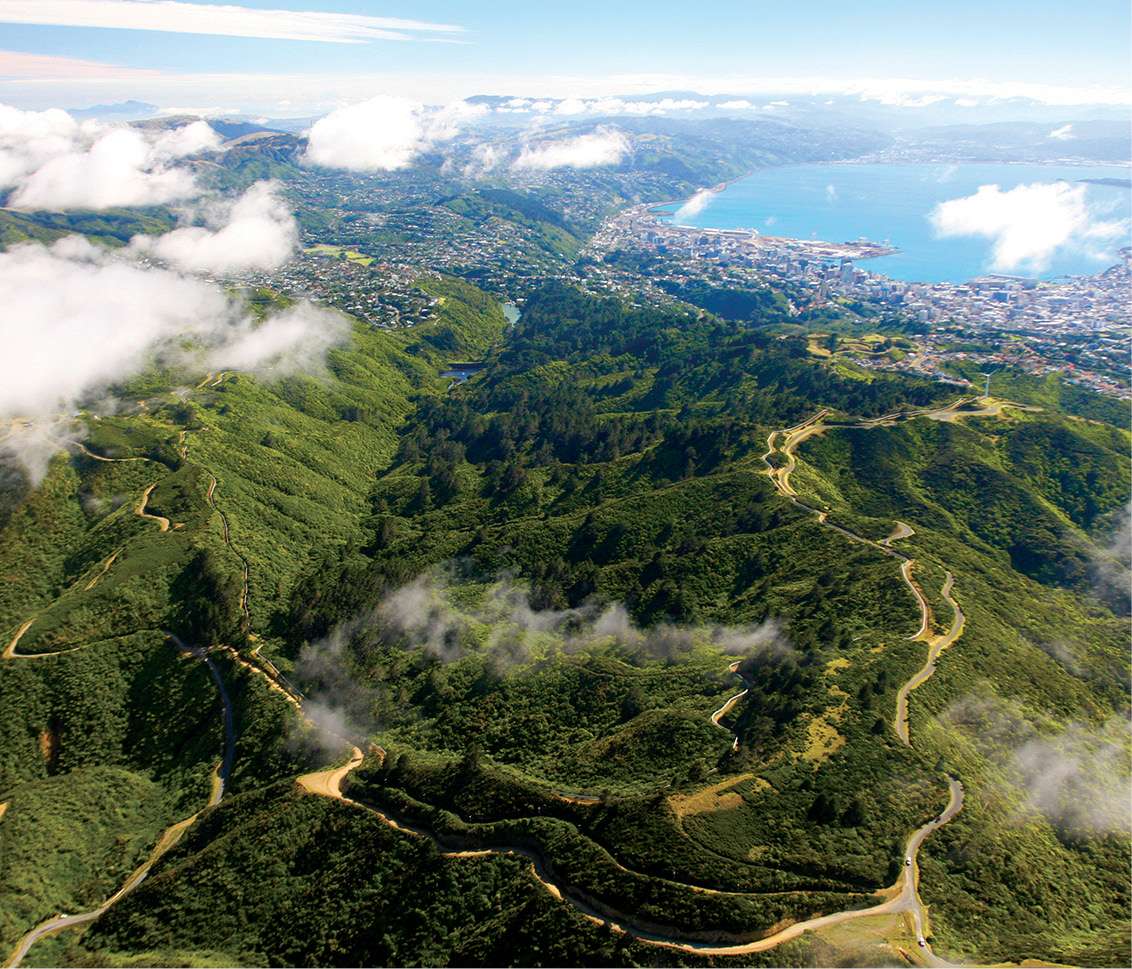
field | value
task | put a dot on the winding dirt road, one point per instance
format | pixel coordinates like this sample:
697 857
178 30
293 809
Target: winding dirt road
908 898
723 710
328 783
936 645
904 896
169 838
142 513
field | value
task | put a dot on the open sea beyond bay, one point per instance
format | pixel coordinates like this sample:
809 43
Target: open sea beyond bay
847 202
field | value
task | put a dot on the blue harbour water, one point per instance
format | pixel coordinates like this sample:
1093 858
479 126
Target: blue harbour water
847 202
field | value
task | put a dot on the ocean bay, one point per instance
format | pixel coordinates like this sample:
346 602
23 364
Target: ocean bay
894 203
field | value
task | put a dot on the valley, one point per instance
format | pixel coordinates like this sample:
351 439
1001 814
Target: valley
674 634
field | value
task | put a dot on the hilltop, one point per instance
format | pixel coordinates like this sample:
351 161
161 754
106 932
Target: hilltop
673 635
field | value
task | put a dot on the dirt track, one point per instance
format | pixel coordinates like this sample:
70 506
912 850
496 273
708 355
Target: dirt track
329 782
903 895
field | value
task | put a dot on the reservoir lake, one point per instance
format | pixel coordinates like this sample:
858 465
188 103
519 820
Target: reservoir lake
847 202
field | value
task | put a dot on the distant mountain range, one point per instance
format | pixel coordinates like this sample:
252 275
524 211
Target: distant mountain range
925 128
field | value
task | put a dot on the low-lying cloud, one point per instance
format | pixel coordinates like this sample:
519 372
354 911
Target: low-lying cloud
1111 561
1076 775
574 107
382 134
28 139
256 230
51 161
1028 224
602 147
433 615
1078 780
442 616
694 206
79 319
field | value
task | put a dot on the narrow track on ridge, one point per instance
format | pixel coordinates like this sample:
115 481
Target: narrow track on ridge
903 896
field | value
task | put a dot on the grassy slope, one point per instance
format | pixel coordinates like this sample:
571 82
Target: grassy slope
1007 504
671 517
293 461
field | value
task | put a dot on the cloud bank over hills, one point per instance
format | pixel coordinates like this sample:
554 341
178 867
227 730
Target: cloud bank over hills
80 318
55 162
388 133
256 230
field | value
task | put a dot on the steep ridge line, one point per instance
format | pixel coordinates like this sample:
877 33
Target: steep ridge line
329 783
274 676
904 894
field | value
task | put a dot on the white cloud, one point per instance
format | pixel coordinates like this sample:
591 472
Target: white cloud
1075 775
1078 779
1064 133
383 133
77 319
257 230
902 99
116 170
55 162
694 206
574 106
1028 224
571 106
28 139
603 147
485 158
35 80
296 339
200 18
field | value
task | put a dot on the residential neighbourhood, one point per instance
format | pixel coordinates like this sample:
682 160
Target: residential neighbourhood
1080 326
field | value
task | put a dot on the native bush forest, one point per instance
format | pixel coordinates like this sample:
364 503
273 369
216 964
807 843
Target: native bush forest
657 636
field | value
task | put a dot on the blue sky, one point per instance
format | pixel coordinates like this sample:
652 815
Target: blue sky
584 48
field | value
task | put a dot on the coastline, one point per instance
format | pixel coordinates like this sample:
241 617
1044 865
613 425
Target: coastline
713 190
852 229
819 248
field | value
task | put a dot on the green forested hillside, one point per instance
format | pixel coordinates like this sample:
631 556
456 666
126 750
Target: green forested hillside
601 667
